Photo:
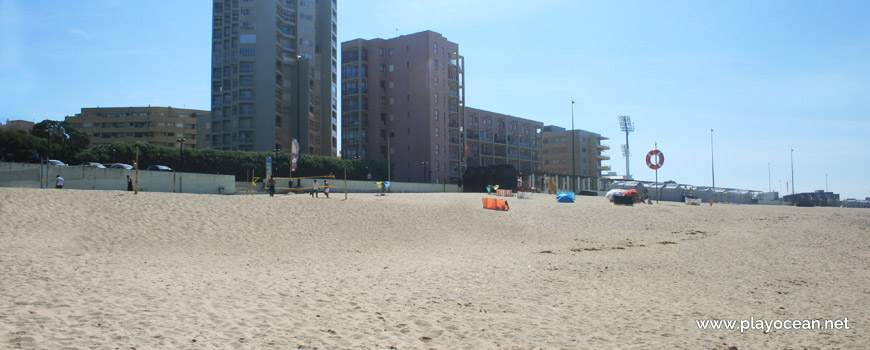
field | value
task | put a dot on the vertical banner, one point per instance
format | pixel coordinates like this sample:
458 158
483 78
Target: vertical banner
294 150
268 167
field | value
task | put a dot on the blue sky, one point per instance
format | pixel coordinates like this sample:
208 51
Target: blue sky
766 75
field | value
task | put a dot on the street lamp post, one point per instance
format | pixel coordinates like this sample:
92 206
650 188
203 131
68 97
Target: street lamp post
275 162
424 170
389 165
573 151
712 166
769 188
792 171
181 161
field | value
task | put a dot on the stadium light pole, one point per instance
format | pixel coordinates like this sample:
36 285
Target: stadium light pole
627 126
573 151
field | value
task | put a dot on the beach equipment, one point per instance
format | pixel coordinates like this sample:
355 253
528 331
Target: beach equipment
614 192
524 195
495 204
565 197
623 200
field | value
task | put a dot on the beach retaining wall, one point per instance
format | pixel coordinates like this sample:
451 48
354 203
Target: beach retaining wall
86 178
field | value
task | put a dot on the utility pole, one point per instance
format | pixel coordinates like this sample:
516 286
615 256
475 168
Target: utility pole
769 189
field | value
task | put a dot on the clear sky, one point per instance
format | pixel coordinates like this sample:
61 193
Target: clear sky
767 76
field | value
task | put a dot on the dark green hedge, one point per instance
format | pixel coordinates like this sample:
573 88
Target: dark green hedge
19 147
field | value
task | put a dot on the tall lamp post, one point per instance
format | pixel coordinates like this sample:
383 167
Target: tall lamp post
389 165
769 188
181 161
712 168
275 162
792 171
573 151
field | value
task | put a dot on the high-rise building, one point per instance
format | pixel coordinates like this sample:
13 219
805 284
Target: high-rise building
588 156
495 138
402 103
274 75
161 126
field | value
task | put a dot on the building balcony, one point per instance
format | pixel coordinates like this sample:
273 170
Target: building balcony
603 147
603 157
604 167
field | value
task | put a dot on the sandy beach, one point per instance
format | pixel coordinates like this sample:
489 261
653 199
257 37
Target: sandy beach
114 270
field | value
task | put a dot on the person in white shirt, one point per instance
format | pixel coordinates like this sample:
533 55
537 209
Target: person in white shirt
314 189
59 182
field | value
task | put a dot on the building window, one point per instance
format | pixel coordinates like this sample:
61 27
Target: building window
436 47
248 11
436 64
247 52
436 98
391 52
437 149
392 68
437 167
436 135
436 81
436 114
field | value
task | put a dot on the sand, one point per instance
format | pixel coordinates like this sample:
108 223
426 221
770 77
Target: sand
113 270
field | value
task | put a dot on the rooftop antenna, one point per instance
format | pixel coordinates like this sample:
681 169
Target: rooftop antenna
397 32
626 125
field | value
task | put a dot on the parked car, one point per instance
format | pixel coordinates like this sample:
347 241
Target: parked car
159 168
93 165
56 162
121 166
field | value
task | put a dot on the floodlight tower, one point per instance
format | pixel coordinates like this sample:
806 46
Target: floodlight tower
626 125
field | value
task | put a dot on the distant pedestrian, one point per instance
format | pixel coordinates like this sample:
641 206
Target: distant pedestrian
326 188
314 188
369 176
59 183
129 183
272 187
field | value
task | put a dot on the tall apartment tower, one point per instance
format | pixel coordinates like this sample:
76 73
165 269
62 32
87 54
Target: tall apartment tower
274 76
403 102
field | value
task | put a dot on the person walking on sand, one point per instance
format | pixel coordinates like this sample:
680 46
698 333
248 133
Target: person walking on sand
326 188
271 187
314 189
59 183
129 183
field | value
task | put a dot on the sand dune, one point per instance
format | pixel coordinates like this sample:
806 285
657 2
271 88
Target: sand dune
103 269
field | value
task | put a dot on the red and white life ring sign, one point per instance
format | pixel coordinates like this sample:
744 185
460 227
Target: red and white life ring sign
659 159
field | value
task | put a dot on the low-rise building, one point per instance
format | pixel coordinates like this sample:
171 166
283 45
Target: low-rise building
161 126
17 125
586 159
494 138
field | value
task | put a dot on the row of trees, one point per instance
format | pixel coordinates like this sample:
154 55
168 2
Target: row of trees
71 147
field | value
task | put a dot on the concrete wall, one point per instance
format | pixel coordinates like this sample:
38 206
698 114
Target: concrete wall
30 175
353 186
